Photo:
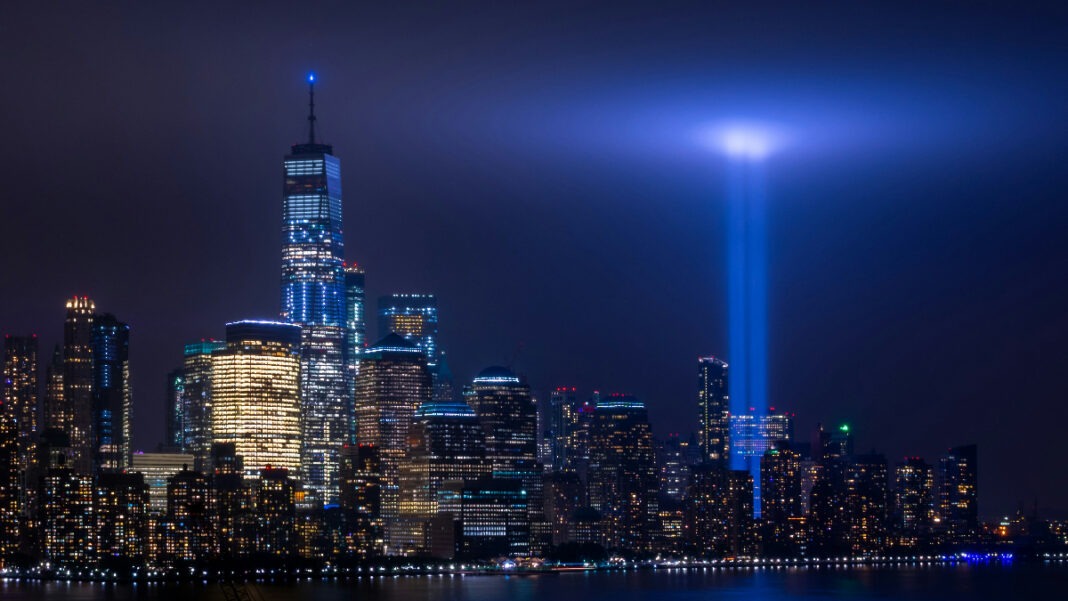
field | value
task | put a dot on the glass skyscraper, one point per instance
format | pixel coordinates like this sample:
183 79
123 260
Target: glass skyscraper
752 434
313 297
713 406
111 392
414 316
73 414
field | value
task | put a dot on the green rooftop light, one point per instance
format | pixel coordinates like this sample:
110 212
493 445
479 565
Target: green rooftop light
844 428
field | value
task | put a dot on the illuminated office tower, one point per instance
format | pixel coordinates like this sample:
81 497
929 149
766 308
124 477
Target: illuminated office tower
713 407
157 469
313 297
195 409
111 392
751 435
509 417
256 394
175 418
563 420
623 479
484 519
957 495
413 316
447 443
120 502
393 382
75 414
673 466
913 501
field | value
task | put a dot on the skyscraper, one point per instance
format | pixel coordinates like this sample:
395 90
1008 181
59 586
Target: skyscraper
314 297
355 327
913 501
19 427
256 394
713 410
413 316
194 409
74 415
111 392
393 382
563 419
958 486
623 479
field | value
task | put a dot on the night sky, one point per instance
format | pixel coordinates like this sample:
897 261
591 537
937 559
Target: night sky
542 170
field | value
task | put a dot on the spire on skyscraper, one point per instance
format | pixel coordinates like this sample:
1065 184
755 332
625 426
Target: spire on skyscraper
311 108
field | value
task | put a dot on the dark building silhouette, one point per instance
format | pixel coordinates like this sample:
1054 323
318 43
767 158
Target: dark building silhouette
713 410
111 392
958 494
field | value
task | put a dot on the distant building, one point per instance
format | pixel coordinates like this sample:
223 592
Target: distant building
188 532
120 510
192 408
355 325
781 478
275 511
674 466
718 513
18 441
74 413
563 420
623 480
111 396
414 317
751 435
483 519
713 410
958 486
157 470
393 382
256 395
913 501
509 418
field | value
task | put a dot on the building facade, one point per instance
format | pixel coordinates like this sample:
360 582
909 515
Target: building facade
713 410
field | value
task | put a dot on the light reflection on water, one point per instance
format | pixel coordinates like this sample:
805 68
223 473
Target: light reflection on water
1033 582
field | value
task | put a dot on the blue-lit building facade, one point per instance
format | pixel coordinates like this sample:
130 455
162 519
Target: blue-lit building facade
314 297
110 344
752 434
414 316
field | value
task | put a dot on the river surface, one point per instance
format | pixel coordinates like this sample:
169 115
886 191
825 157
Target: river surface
916 583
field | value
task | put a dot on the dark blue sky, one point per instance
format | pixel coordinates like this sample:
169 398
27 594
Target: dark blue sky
540 169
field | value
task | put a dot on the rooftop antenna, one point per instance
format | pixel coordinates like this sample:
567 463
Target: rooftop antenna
311 108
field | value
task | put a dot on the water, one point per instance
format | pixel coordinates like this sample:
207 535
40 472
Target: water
1026 582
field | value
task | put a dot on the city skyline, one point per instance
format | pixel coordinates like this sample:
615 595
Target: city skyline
857 396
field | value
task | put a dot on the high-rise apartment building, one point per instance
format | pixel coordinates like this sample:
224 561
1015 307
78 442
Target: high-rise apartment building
314 297
914 507
74 414
255 386
713 410
563 420
958 486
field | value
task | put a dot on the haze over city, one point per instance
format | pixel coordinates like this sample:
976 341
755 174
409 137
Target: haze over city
547 179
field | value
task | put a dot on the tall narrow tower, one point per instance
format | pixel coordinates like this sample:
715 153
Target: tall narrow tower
313 297
76 414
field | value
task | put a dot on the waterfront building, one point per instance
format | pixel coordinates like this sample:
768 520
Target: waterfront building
483 519
718 513
781 475
120 512
958 495
188 532
713 410
232 503
361 500
914 507
256 403
509 418
564 496
623 479
673 465
393 382
68 534
275 512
